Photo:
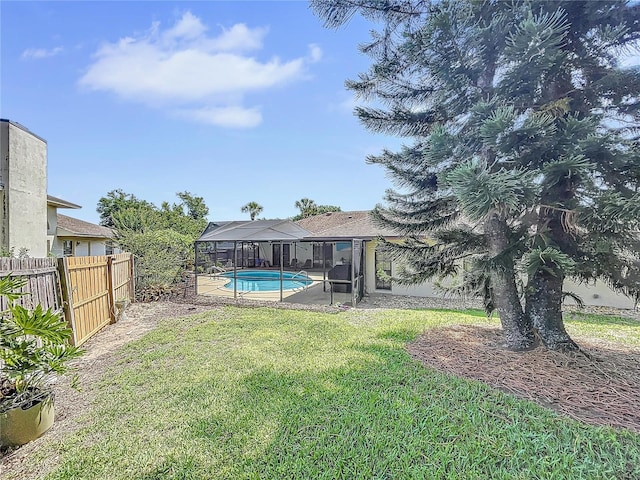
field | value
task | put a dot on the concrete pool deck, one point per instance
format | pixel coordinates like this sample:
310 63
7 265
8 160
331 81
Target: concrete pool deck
315 294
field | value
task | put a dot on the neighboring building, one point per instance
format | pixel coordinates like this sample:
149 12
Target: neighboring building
29 219
23 190
53 204
76 238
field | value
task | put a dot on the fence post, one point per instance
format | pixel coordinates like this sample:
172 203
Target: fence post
111 297
132 276
67 300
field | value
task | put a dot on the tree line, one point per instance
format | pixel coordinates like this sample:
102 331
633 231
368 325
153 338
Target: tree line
162 237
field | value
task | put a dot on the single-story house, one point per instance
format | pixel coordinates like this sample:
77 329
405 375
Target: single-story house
334 249
76 238
70 237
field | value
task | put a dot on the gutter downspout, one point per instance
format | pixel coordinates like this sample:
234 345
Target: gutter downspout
354 280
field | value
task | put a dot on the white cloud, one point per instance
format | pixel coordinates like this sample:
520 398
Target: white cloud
188 27
186 69
233 116
240 38
37 53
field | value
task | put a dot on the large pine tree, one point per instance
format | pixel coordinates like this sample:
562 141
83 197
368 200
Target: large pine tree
524 162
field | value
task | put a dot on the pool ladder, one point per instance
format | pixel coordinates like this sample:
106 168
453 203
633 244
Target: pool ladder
302 273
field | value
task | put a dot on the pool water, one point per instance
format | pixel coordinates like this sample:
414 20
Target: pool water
266 281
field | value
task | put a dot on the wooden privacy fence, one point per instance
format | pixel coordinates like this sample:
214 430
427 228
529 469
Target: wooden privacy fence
42 281
93 286
86 289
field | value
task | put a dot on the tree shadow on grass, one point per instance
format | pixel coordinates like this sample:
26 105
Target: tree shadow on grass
398 334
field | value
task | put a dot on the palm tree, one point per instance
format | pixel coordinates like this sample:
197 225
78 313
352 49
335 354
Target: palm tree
253 209
307 207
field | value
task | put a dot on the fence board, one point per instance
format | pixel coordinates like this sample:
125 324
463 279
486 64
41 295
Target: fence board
122 268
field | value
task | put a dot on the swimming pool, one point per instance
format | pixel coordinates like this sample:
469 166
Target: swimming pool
266 281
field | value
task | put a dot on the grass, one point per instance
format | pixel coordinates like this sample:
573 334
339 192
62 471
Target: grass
625 331
278 394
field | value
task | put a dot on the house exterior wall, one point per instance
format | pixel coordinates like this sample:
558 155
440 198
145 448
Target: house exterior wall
303 252
57 247
597 295
23 174
82 246
594 295
4 174
423 290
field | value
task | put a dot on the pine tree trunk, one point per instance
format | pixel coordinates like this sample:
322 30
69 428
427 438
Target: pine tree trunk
517 327
544 309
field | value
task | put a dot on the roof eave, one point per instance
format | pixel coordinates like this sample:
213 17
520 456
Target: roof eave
64 233
60 203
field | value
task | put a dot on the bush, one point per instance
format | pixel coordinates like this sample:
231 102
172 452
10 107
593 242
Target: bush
161 257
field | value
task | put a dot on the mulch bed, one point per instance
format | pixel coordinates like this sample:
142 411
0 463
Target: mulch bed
601 390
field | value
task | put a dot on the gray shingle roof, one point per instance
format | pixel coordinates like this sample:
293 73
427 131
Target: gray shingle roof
327 226
72 227
337 225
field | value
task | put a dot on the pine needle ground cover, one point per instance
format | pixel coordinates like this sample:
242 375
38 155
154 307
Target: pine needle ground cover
271 394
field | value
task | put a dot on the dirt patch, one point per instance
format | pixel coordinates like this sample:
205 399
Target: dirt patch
601 390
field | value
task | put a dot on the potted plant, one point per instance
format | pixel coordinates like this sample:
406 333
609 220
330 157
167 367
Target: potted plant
34 350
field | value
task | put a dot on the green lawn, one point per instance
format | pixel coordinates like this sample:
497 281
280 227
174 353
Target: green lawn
281 394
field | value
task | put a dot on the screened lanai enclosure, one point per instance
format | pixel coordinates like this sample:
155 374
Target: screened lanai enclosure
277 260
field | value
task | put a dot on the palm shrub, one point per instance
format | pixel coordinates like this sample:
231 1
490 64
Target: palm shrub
34 349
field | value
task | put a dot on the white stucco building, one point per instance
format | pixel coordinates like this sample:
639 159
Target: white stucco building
23 190
29 220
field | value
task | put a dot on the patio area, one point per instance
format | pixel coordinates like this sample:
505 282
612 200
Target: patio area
279 261
318 293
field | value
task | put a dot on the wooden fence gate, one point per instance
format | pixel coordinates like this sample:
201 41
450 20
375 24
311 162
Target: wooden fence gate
92 286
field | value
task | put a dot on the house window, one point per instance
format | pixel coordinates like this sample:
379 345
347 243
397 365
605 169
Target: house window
108 248
318 250
383 271
67 248
286 254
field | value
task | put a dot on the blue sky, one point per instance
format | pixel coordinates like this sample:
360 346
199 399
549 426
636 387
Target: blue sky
232 101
